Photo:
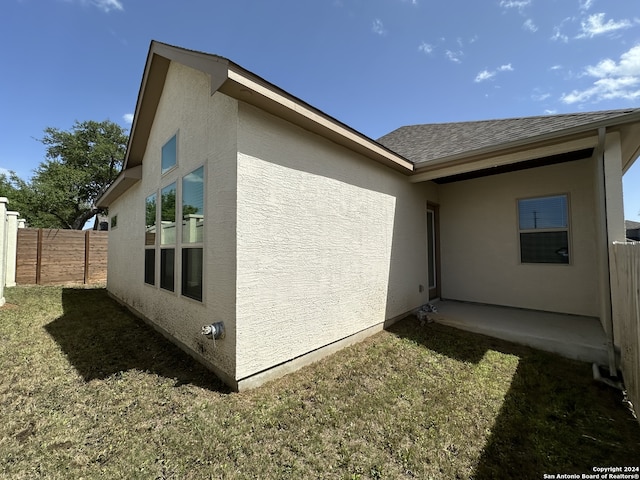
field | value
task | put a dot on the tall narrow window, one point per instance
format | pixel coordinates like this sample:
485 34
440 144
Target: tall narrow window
150 240
167 237
169 154
544 229
192 208
168 215
167 268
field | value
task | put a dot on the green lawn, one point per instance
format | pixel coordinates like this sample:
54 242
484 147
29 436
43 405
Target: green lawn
88 391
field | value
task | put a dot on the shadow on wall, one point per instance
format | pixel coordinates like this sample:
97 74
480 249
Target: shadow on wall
101 338
552 420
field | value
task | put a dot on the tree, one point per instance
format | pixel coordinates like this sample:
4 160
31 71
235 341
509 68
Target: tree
12 187
80 165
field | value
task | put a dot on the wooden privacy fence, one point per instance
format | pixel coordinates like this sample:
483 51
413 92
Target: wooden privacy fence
54 256
626 259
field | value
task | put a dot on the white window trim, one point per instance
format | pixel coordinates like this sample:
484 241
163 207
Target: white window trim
179 245
543 230
182 245
175 165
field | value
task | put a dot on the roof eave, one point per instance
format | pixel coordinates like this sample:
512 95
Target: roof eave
582 131
121 184
233 80
252 89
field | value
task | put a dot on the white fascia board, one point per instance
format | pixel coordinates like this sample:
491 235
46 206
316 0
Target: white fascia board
324 122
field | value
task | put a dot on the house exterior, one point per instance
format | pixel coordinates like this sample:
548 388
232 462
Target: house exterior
243 208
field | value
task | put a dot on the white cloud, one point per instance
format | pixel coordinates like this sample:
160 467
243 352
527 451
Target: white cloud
4 171
595 25
484 75
559 36
550 112
108 5
520 4
613 80
586 4
104 5
530 26
426 48
128 118
540 97
378 27
489 74
454 56
556 67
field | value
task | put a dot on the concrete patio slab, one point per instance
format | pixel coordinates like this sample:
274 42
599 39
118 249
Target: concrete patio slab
572 336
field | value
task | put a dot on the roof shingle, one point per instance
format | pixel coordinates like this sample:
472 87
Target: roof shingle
424 143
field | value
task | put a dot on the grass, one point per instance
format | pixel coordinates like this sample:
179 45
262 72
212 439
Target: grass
88 391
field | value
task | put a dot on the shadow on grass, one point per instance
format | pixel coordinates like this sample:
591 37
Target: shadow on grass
554 417
101 338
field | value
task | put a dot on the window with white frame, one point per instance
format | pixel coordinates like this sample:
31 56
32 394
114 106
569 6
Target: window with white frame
150 240
169 154
164 236
192 208
168 237
543 226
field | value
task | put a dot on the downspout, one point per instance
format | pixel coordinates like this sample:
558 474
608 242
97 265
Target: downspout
606 312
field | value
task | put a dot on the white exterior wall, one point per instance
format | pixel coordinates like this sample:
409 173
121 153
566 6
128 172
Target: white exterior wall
3 246
329 243
480 242
206 127
11 248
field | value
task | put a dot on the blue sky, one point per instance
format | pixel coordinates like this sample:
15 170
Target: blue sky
373 64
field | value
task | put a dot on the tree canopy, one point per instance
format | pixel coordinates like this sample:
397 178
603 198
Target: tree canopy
80 165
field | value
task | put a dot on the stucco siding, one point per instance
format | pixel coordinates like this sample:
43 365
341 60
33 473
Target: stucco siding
480 242
328 243
206 135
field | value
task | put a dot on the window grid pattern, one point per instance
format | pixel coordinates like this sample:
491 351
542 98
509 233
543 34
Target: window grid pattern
543 225
164 234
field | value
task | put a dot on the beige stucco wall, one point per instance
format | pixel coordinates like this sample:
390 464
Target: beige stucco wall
329 243
206 127
480 249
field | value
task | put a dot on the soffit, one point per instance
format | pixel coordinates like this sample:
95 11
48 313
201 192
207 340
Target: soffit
122 183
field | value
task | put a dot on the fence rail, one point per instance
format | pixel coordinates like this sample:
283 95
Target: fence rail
626 257
53 256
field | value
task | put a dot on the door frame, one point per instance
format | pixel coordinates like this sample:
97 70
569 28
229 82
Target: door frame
434 208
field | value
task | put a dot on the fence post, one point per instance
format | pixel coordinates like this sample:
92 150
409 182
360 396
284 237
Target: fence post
87 245
12 243
3 246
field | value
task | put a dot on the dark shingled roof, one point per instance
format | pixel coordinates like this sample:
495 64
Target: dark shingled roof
423 143
631 225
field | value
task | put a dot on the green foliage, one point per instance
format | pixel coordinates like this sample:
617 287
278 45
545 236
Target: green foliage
150 214
168 206
80 165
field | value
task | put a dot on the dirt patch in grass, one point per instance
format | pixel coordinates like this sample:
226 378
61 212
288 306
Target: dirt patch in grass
87 390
